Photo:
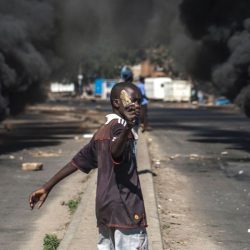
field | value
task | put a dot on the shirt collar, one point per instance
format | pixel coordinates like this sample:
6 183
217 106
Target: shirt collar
113 116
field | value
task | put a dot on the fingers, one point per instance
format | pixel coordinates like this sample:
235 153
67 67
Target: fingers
42 200
37 198
32 201
137 111
133 108
130 107
131 113
31 204
131 117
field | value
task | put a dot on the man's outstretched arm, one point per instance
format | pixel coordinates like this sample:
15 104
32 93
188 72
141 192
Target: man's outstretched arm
40 195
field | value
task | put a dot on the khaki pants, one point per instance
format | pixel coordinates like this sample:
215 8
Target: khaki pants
122 239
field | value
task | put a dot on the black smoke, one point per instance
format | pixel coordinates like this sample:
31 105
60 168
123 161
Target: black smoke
27 29
220 32
43 39
94 31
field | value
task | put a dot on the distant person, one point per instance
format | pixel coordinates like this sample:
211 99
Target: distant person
144 105
200 96
194 95
120 211
127 74
88 90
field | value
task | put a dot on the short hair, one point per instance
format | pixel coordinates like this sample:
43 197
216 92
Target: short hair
117 88
127 74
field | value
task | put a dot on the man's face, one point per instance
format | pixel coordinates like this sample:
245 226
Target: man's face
135 97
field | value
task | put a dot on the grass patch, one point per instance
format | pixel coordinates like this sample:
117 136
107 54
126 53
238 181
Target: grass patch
165 226
72 205
50 242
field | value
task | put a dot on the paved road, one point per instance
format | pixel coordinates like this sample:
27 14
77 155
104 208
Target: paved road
52 132
220 175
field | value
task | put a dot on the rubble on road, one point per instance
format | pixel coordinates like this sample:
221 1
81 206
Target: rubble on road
32 166
40 153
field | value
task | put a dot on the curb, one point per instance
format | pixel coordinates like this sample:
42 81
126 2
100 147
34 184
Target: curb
146 179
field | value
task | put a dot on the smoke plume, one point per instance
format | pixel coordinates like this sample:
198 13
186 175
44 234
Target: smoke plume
26 29
220 31
209 40
42 38
96 30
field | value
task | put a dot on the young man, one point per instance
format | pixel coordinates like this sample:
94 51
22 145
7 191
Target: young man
120 211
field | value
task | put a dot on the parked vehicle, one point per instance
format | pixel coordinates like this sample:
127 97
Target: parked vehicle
221 101
57 87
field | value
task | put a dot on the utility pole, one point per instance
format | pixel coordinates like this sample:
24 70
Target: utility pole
80 80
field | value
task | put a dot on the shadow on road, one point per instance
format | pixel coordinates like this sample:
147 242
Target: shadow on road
146 171
209 126
37 135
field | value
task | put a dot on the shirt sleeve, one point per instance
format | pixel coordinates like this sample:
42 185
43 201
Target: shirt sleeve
142 89
85 159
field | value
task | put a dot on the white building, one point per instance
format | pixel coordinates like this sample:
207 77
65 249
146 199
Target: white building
155 87
177 91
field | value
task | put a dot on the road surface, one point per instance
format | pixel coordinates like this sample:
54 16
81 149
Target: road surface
205 205
202 173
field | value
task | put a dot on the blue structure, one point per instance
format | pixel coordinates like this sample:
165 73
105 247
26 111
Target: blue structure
103 87
98 86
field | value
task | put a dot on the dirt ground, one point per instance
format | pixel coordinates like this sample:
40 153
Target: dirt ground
179 225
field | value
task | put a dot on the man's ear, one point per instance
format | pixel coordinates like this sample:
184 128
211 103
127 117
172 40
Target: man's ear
116 103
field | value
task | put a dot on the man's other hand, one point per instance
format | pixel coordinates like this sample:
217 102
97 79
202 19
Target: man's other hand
131 113
38 197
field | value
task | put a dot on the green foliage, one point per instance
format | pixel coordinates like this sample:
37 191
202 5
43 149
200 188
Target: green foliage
72 205
166 226
50 242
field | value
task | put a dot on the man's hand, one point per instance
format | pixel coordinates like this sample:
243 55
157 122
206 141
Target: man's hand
39 196
131 113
